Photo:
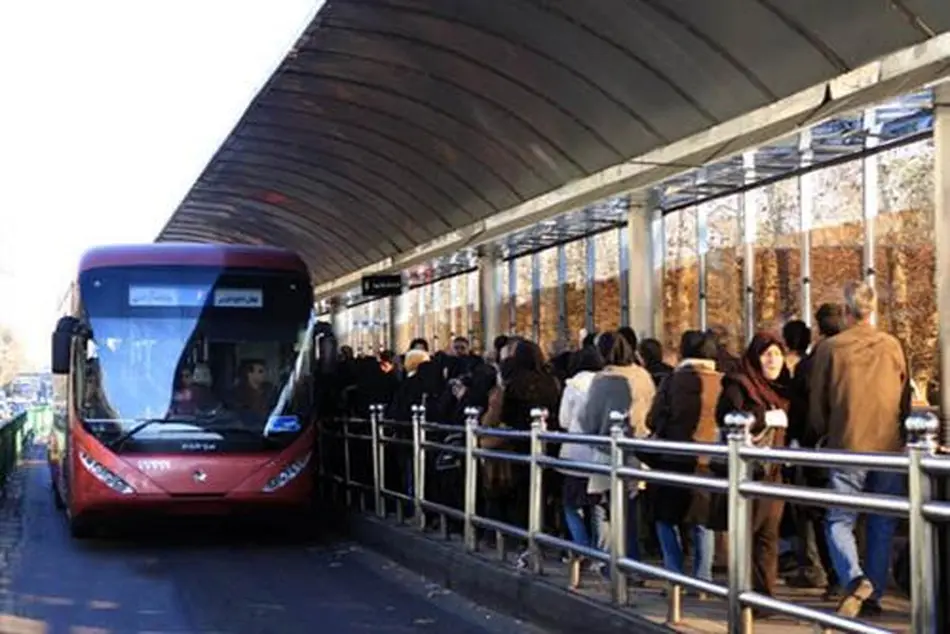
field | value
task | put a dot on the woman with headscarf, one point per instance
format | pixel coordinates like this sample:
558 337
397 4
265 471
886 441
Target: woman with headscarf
758 387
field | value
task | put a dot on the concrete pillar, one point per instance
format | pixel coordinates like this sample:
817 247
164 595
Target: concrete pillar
590 253
623 240
644 279
536 297
942 241
562 293
941 222
490 270
511 294
871 196
749 201
702 250
806 208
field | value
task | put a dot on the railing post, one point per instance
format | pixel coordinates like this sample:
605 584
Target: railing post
375 413
418 465
347 488
740 557
471 478
618 509
922 442
535 507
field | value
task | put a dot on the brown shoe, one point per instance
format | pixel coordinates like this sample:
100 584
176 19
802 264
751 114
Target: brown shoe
861 591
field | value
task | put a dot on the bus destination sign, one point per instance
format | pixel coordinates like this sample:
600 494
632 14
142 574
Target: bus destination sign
382 285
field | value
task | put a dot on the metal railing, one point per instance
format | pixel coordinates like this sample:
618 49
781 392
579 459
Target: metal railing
11 446
920 464
39 423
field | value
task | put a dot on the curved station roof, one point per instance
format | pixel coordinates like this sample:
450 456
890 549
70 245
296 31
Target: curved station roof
393 123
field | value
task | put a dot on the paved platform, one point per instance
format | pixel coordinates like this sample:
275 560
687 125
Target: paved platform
647 606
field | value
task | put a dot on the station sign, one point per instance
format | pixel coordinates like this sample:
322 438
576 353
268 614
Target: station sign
382 285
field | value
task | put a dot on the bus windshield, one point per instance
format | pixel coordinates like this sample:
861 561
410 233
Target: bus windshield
214 355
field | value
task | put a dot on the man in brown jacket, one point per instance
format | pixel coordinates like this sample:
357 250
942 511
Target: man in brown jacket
859 397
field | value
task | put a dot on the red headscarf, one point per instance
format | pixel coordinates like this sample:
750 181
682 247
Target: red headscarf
762 391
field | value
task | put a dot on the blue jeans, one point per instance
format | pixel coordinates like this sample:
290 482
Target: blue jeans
632 525
839 528
577 524
633 528
704 549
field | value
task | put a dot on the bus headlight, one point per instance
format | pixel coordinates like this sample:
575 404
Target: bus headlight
105 476
287 474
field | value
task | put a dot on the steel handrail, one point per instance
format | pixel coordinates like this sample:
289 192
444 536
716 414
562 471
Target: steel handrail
920 463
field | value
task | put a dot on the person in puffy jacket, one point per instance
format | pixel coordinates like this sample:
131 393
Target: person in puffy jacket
622 386
580 507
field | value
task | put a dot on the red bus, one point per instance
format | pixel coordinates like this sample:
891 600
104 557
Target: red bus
186 379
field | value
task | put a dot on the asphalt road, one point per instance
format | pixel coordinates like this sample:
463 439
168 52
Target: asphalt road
179 581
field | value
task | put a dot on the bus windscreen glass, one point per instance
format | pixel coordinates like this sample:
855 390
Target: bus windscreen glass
211 357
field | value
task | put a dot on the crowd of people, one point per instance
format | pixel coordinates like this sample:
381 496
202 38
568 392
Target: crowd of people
844 386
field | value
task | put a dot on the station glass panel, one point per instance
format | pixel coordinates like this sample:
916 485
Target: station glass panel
549 310
607 281
575 289
357 328
403 323
354 328
778 271
343 319
380 316
372 328
440 338
364 323
904 257
837 233
724 291
523 314
414 315
349 318
458 300
505 324
428 309
680 276
473 297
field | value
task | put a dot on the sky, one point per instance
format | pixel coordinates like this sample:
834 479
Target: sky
109 110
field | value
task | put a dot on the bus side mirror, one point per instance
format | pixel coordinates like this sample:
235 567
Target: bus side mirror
66 329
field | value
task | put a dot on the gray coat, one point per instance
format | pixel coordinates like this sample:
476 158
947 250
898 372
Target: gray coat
607 393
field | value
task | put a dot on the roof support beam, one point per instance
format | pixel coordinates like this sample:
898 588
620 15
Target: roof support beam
891 75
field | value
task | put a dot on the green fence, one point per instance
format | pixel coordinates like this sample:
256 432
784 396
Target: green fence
11 445
39 422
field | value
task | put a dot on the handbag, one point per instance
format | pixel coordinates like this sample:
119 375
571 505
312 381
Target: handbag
719 466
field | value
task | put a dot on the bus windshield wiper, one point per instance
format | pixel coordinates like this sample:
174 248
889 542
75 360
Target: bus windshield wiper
142 423
235 429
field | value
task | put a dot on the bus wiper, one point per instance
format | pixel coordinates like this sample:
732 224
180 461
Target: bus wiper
116 444
234 429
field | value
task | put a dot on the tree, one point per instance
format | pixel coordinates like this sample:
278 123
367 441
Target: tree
11 355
